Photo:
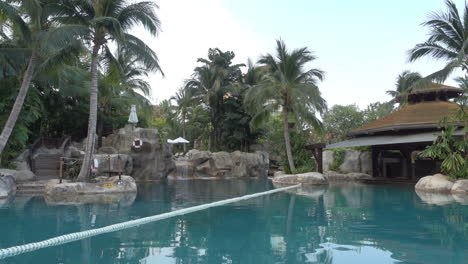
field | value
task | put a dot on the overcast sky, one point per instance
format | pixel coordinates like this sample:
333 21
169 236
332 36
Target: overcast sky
361 45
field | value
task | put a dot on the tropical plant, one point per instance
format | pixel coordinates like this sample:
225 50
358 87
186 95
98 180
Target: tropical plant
184 101
447 41
289 88
452 150
406 81
211 83
36 34
109 21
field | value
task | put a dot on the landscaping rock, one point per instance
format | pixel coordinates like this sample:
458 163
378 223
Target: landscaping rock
232 165
7 186
460 187
18 175
102 185
279 173
198 157
309 178
436 183
107 150
126 164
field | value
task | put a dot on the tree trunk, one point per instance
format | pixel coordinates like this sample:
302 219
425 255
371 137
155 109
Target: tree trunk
287 140
93 103
100 128
183 132
18 105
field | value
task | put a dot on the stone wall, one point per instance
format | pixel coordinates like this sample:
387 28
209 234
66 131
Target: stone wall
354 161
230 165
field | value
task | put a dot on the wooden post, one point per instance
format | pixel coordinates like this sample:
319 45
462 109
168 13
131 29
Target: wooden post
319 159
375 162
119 160
61 167
110 166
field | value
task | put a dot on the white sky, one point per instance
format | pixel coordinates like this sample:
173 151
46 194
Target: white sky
359 70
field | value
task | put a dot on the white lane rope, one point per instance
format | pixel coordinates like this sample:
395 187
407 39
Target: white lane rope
60 240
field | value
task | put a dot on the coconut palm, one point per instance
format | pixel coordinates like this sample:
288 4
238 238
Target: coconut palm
447 41
211 82
289 88
184 100
406 81
109 21
35 33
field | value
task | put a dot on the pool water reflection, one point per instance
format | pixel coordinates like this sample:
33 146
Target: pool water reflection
338 224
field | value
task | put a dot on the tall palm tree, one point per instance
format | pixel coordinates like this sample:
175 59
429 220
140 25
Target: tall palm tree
447 41
290 88
184 100
406 81
34 22
211 82
109 21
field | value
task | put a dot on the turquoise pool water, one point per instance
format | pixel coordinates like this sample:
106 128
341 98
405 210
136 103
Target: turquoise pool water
339 224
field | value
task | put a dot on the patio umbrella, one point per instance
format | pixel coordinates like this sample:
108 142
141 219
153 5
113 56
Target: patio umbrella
178 140
133 118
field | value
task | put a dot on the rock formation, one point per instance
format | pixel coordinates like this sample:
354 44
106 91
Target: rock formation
7 186
229 165
354 161
152 162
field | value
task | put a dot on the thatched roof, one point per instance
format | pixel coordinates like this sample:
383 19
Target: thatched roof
424 115
432 92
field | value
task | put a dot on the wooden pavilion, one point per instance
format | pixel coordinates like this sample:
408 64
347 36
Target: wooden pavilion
396 139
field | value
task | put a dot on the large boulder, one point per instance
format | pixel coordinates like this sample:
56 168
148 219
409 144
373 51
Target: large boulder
250 164
23 171
198 157
114 163
435 183
102 185
18 175
309 178
7 186
460 187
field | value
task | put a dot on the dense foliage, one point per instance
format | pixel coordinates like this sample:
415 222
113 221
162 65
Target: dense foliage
452 150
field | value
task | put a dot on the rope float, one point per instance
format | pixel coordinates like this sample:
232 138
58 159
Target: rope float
64 239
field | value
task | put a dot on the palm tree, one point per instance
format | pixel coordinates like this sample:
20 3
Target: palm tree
184 100
447 41
406 81
35 24
110 21
211 82
290 88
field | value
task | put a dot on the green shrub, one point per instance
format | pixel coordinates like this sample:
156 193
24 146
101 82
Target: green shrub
338 159
452 150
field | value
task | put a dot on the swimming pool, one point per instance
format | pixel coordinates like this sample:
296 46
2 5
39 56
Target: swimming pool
339 224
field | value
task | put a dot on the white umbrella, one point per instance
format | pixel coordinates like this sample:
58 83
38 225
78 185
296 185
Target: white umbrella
133 118
177 140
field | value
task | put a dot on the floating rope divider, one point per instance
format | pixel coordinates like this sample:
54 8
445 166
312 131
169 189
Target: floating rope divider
60 240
